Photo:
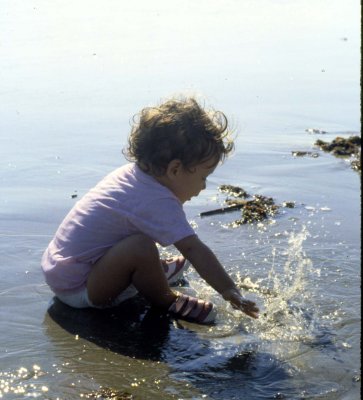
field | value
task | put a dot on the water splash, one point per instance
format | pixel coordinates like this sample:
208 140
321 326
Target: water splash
287 309
284 296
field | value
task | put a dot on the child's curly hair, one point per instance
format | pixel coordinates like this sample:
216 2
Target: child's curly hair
178 129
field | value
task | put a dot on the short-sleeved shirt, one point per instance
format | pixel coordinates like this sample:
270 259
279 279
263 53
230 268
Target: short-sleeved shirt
126 202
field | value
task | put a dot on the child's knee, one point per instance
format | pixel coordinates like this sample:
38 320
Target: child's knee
144 246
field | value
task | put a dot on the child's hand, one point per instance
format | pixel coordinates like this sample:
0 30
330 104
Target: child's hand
240 303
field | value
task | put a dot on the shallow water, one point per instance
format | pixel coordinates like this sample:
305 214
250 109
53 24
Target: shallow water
73 74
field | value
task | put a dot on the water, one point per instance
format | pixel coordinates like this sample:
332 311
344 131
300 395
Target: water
72 76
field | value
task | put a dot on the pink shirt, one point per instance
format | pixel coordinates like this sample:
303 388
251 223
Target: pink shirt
125 202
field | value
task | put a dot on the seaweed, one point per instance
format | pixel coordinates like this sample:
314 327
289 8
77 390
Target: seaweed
256 209
234 191
108 394
341 147
298 153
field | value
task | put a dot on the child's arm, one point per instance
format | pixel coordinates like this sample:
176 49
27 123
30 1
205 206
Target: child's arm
210 269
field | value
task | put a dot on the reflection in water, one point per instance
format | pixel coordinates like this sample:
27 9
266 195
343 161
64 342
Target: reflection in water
132 329
136 330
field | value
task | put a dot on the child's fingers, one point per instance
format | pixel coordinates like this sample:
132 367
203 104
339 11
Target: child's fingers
248 307
251 310
253 314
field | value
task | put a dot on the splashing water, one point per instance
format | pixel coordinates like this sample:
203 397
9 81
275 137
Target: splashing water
284 298
287 303
295 268
285 324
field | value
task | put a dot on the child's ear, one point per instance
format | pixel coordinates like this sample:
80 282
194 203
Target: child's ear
173 168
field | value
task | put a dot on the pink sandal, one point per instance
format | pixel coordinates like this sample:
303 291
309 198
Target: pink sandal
193 309
174 268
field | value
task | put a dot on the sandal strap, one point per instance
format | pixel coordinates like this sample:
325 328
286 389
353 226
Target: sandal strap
191 308
202 310
174 268
177 265
181 304
190 305
207 308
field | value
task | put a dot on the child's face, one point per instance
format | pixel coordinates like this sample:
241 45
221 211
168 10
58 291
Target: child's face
189 183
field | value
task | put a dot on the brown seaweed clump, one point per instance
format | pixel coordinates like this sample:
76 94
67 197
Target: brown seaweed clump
257 210
234 191
356 164
341 147
108 394
297 153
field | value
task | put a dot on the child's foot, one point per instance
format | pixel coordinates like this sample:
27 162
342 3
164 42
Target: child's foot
193 309
174 268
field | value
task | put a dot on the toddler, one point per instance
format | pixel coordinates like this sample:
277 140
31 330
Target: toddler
105 252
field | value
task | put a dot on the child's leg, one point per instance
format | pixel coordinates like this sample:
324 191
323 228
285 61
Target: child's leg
134 260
